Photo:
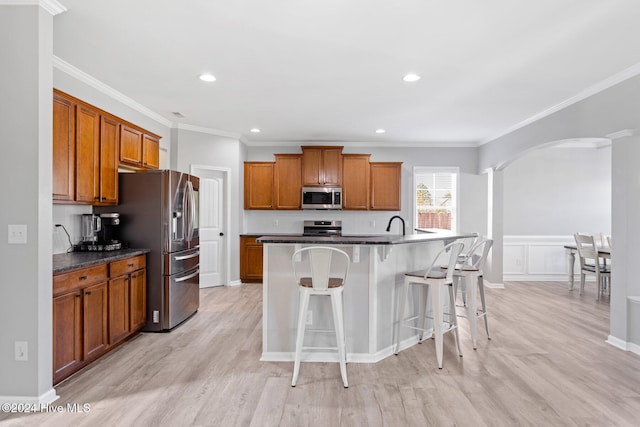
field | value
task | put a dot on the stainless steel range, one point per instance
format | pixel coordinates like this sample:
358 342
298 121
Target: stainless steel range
322 228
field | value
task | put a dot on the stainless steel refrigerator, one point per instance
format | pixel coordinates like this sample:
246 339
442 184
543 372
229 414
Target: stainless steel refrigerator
159 210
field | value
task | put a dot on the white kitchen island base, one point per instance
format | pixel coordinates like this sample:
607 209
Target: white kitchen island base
371 295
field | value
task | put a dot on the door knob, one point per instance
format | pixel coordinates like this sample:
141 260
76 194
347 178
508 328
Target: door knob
222 234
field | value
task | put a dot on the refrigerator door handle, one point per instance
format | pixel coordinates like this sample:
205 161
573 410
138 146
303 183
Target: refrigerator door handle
192 210
193 255
182 279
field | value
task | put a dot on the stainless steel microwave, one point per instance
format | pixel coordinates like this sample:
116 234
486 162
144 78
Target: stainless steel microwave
321 198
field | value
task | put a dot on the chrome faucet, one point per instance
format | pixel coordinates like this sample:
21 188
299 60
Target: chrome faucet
391 220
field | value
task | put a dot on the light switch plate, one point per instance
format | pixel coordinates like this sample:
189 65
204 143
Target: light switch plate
17 234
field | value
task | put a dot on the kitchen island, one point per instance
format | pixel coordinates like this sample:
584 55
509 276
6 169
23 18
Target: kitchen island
371 293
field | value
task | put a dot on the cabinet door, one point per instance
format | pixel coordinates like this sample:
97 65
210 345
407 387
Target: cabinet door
150 152
64 168
385 185
250 260
287 181
258 185
138 300
312 167
87 154
95 320
355 181
332 167
118 308
67 334
109 145
130 146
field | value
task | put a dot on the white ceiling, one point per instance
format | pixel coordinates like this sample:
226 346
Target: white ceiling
330 70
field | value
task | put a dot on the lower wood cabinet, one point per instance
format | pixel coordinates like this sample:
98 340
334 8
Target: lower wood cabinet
94 309
250 260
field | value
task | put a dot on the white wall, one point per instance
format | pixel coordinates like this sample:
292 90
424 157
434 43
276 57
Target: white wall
25 167
558 191
196 148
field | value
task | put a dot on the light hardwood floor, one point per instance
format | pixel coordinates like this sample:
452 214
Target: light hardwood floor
547 365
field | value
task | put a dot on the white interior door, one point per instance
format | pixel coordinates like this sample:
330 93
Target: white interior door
211 231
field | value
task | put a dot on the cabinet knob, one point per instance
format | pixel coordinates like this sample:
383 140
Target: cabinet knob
88 293
131 265
79 296
83 277
134 276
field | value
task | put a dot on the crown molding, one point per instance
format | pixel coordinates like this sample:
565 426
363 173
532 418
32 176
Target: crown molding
200 129
623 134
64 66
379 144
605 84
51 6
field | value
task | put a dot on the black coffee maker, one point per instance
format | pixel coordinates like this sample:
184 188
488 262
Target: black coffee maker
108 233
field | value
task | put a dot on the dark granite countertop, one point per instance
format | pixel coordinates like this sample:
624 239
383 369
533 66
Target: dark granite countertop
74 260
425 235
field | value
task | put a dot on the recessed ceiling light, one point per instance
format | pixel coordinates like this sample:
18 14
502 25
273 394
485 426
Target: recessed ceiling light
380 131
411 78
207 77
255 130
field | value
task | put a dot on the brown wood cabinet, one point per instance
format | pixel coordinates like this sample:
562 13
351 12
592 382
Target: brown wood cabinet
88 146
64 148
79 319
287 181
250 260
94 309
386 190
258 185
87 154
355 181
109 147
321 166
150 152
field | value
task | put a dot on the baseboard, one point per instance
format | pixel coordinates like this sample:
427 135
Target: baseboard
235 283
623 345
44 399
333 357
490 285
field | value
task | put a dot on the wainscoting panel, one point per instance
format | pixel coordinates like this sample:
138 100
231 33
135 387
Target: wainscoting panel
539 258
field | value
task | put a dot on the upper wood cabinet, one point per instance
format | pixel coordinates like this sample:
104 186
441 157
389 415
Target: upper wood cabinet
130 146
150 152
88 146
87 155
258 185
321 166
355 181
64 148
287 181
109 147
386 190
138 148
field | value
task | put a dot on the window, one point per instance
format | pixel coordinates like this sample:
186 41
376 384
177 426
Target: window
435 197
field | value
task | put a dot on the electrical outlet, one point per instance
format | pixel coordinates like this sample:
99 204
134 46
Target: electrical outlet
21 351
309 317
17 234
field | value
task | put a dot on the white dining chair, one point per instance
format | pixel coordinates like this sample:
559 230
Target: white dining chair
590 263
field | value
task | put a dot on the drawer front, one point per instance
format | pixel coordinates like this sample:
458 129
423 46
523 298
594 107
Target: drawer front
77 279
126 266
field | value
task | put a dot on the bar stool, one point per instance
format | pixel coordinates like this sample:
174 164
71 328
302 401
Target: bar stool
320 260
471 275
436 280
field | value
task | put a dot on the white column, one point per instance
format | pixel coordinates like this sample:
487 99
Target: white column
495 216
625 232
26 49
